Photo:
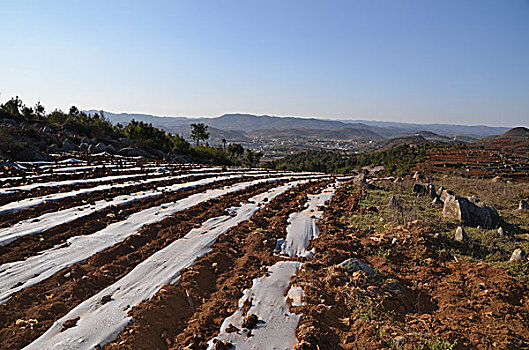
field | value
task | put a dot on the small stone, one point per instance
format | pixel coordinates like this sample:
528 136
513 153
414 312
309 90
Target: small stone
501 232
353 265
517 254
399 340
523 205
460 235
497 179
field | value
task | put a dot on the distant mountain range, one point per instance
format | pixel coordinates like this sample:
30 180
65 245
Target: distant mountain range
246 127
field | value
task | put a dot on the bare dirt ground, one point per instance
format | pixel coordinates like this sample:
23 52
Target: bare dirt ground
419 298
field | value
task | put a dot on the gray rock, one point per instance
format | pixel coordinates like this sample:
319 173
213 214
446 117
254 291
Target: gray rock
461 235
124 143
100 147
360 180
523 205
69 146
131 152
353 265
437 201
418 176
83 147
517 254
111 149
420 189
53 148
469 211
431 190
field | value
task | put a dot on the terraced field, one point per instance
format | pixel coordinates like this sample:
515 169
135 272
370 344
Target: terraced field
84 245
127 254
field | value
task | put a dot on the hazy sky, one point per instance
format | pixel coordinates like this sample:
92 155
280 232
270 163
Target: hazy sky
459 61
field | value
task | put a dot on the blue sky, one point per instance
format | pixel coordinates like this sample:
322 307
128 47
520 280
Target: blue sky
461 61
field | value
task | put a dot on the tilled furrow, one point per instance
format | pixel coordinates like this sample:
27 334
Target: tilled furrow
191 311
265 301
8 219
52 298
30 245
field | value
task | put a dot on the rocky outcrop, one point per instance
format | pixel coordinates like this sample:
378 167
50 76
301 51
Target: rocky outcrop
69 146
100 147
470 211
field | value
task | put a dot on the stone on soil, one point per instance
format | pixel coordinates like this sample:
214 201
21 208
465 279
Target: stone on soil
353 265
460 235
517 254
470 211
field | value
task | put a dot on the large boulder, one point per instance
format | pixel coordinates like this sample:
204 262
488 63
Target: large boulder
443 193
100 147
111 149
470 211
132 152
69 146
424 190
123 142
53 148
83 147
360 180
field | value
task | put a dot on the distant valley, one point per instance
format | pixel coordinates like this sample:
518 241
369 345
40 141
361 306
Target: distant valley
277 136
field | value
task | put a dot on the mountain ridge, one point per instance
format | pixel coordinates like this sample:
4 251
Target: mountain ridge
250 122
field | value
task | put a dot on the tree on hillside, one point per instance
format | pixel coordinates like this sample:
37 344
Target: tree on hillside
199 132
251 158
234 151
